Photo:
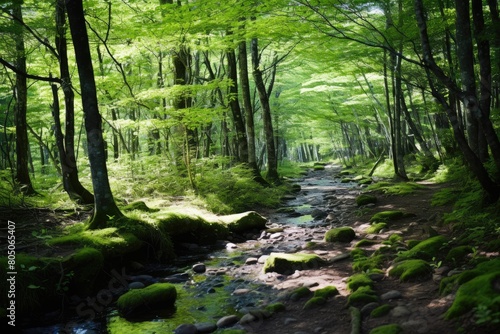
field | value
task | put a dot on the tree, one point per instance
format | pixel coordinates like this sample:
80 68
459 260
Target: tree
105 207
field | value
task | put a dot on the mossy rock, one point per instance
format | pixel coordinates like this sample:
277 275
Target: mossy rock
287 263
369 264
158 296
409 270
314 302
318 167
449 284
365 181
340 234
459 254
426 249
366 243
365 199
387 216
482 290
357 281
139 206
412 243
276 307
326 292
244 222
375 228
387 329
346 180
193 229
362 296
381 311
300 293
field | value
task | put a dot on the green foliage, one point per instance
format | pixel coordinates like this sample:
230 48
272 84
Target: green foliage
409 270
326 292
401 188
381 311
426 249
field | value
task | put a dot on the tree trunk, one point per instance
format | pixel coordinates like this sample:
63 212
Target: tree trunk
21 92
66 143
272 161
105 208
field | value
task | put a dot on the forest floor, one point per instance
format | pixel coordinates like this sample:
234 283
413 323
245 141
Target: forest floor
417 308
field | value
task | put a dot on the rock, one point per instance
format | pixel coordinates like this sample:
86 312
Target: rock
418 325
365 199
289 321
368 308
393 294
199 268
239 292
314 302
340 257
318 214
251 260
136 285
230 246
310 284
340 234
287 263
137 301
247 318
400 311
262 259
186 329
410 270
206 327
176 278
227 321
243 222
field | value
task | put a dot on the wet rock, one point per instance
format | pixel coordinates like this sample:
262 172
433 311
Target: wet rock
230 246
206 327
318 214
136 285
199 268
176 278
239 292
368 308
251 260
186 329
393 294
400 311
227 321
247 318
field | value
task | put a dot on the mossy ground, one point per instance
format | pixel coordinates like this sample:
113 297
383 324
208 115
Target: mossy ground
158 296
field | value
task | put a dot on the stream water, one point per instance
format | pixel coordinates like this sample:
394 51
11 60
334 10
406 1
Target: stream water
232 283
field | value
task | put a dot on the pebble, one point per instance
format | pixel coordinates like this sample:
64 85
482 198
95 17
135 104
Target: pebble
251 260
393 294
247 318
199 268
227 321
186 329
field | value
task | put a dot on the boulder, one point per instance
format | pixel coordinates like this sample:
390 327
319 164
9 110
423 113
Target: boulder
287 263
340 234
154 297
244 222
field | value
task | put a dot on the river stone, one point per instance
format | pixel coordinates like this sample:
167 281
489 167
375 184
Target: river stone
186 329
206 327
393 294
318 214
247 318
289 321
239 292
368 308
400 311
199 268
227 321
136 285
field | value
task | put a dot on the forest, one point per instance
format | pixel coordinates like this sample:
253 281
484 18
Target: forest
131 129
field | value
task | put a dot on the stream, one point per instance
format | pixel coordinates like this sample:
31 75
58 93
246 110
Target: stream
214 282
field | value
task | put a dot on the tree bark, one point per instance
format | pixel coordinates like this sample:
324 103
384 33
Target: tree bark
105 208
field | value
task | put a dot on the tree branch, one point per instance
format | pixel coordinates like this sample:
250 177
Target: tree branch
27 75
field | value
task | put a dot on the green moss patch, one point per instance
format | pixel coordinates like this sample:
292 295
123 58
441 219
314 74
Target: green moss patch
362 296
449 284
409 270
300 293
381 311
387 216
365 199
82 267
459 254
140 206
366 243
340 234
192 229
400 188
287 263
275 307
154 297
478 291
426 249
326 292
244 222
375 228
357 281
314 302
387 329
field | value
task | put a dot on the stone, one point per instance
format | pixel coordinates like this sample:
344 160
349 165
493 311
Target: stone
199 268
247 318
227 321
368 308
206 327
289 321
136 285
318 214
186 329
340 234
137 301
287 263
239 292
251 260
230 246
340 257
400 311
393 294
262 259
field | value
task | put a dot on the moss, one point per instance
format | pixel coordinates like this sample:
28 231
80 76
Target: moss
387 216
357 281
381 311
478 291
314 302
362 296
193 229
365 199
275 307
449 284
426 249
458 254
300 293
154 297
83 267
387 329
340 234
318 167
368 264
244 222
366 243
412 243
411 270
140 206
375 228
326 292
400 188
287 263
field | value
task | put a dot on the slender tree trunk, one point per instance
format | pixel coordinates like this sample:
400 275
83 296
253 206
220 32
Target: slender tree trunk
66 143
105 208
21 92
272 161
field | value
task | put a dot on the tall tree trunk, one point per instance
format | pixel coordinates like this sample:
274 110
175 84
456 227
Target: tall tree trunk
66 143
272 161
21 92
105 208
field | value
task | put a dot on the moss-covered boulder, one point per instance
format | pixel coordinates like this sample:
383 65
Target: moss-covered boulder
275 307
410 270
359 280
287 263
481 291
387 329
84 265
426 249
449 284
314 302
365 199
193 229
158 296
244 222
326 292
300 293
381 311
375 228
362 296
387 216
340 234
